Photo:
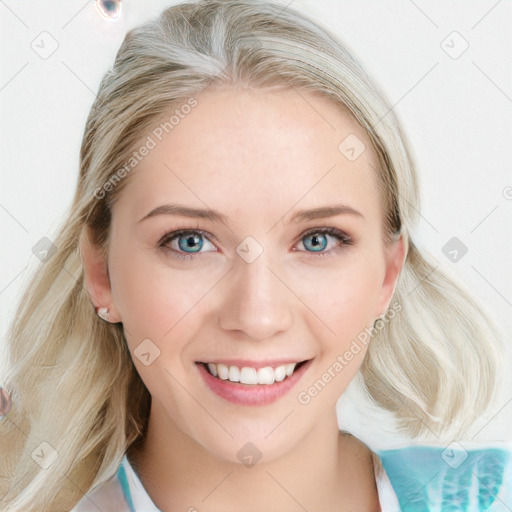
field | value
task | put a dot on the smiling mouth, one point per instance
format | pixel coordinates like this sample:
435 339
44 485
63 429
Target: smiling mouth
252 376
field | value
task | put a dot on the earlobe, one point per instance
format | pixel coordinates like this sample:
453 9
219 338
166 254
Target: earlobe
396 254
96 278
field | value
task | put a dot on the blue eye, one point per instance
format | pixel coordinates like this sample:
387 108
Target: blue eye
190 242
316 241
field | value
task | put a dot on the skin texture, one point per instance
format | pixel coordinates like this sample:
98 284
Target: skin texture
257 158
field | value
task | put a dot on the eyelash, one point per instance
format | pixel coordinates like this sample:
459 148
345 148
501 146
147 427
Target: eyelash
342 237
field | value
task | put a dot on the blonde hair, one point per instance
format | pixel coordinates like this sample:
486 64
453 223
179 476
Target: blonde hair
72 381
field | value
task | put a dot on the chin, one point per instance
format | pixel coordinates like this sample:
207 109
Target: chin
249 446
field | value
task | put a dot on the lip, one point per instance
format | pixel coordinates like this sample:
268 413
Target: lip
256 394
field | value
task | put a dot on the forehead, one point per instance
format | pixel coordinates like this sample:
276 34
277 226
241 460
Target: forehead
256 151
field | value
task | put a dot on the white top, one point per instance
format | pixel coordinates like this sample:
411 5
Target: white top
124 492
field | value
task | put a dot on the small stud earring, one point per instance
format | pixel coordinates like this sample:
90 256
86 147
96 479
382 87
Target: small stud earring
103 313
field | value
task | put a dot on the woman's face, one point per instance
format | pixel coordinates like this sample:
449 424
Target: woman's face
256 282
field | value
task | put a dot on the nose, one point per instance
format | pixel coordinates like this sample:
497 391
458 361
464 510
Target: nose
257 302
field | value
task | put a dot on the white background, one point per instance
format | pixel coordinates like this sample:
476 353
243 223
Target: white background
456 114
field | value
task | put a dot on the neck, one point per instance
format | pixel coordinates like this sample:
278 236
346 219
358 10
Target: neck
327 470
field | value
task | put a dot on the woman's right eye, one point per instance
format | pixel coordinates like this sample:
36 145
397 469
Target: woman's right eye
185 244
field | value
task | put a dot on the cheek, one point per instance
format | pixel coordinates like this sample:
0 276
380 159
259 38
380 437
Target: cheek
345 298
159 307
346 305
152 297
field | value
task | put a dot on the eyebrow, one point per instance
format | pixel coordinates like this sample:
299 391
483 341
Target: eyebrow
215 216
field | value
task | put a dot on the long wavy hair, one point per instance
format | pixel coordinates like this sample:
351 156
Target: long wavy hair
70 375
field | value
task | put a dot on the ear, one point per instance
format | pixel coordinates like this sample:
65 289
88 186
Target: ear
395 255
96 278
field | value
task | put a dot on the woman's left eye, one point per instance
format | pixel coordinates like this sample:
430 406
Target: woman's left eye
317 240
186 244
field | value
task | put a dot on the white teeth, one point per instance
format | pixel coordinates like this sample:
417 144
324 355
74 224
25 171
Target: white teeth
252 376
213 369
234 374
222 370
289 368
248 376
266 375
280 373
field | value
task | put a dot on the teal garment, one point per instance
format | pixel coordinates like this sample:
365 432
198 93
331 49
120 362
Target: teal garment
123 480
450 479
